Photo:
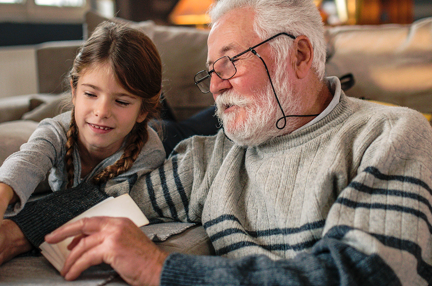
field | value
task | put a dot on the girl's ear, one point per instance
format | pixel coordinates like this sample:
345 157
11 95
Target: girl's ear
73 91
141 117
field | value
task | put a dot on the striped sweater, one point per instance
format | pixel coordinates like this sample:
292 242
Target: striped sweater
345 201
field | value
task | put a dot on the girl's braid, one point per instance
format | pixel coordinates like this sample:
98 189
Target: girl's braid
72 136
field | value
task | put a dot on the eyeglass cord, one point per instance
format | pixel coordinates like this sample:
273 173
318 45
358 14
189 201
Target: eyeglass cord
284 117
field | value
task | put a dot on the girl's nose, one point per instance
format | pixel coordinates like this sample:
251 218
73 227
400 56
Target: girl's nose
102 109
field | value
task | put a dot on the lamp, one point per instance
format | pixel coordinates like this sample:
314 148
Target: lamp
191 12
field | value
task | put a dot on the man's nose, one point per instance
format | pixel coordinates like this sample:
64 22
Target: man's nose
218 85
102 108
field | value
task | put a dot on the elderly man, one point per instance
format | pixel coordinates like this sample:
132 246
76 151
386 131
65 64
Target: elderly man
302 186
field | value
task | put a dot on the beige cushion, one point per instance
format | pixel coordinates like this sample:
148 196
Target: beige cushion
93 19
13 108
13 134
49 106
54 61
184 53
390 63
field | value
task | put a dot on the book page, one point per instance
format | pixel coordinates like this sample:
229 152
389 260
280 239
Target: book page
121 206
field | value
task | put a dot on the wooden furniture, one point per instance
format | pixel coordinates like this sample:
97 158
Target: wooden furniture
374 12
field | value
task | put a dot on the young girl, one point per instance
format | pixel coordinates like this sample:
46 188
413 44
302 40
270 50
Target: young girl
116 84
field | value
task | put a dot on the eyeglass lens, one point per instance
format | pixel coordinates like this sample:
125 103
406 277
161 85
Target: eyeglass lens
223 67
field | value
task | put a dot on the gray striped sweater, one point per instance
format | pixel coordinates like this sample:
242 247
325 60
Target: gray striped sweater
346 201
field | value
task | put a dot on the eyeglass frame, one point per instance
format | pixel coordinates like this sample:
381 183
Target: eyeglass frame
234 59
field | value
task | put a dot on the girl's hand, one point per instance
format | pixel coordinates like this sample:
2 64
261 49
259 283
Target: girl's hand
12 241
7 196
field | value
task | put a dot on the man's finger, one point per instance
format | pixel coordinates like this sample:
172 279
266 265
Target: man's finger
83 226
92 256
75 241
83 246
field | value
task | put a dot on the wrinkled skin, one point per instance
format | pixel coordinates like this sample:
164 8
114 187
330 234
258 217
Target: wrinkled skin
114 241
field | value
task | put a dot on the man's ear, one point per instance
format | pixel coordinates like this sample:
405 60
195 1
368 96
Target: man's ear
302 56
73 91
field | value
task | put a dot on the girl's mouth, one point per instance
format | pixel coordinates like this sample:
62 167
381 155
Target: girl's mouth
100 127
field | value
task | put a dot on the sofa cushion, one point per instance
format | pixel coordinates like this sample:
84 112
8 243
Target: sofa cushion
54 60
13 134
48 107
184 53
390 63
13 108
93 19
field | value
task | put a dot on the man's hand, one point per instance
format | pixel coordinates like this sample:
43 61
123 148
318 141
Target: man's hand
12 241
114 241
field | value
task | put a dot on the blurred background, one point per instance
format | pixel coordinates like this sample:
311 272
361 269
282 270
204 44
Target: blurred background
26 23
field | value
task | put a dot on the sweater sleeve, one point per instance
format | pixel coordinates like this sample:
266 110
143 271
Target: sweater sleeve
177 190
377 232
25 169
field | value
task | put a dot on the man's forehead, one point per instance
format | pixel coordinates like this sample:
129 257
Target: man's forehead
231 33
222 51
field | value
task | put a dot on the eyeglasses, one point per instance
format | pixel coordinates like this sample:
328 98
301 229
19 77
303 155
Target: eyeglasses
225 68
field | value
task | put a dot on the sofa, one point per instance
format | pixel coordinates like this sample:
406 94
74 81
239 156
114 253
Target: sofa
390 64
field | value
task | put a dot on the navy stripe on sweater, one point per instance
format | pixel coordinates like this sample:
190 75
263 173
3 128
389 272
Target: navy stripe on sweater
377 174
352 204
152 196
270 247
261 233
269 232
180 188
423 268
167 194
375 191
219 220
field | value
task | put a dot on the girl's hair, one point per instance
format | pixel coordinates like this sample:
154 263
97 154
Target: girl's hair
297 17
137 67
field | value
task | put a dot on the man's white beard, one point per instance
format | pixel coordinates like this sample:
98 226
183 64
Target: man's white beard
262 113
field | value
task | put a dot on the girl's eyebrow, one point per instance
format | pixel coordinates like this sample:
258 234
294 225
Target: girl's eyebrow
122 94
91 85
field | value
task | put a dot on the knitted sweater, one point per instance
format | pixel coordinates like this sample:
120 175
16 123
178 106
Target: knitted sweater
45 151
346 201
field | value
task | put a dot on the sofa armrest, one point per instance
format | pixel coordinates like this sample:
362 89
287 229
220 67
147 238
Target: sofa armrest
53 62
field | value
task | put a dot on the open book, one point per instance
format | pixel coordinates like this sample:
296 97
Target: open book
121 206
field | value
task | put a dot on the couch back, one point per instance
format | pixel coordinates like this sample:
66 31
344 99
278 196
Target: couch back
390 63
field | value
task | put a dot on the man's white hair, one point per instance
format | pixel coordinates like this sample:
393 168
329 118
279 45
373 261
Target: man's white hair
296 17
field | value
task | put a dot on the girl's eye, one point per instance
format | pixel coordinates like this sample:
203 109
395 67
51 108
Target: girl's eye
88 94
123 103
